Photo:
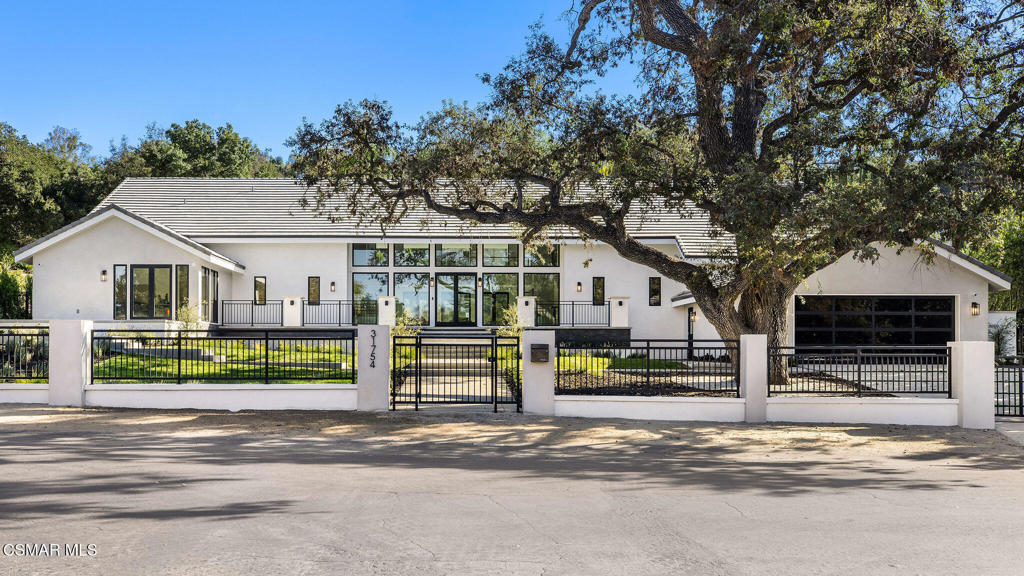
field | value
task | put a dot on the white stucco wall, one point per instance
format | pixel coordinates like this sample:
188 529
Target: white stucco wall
893 275
905 274
66 276
1010 319
582 263
287 267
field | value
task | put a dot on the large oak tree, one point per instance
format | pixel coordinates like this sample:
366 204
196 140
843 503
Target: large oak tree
806 130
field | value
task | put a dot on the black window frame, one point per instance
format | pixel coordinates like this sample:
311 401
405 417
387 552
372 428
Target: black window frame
396 250
552 308
654 291
439 246
484 293
376 247
387 286
510 245
127 293
556 252
256 292
152 295
909 320
309 290
179 288
595 290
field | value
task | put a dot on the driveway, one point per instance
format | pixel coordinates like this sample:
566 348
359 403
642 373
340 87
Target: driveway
346 493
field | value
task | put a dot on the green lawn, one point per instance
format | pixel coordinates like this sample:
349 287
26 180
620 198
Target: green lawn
588 363
238 363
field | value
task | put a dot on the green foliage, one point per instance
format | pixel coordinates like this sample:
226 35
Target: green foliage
188 317
1000 335
1004 250
48 185
12 295
804 131
406 325
510 325
194 149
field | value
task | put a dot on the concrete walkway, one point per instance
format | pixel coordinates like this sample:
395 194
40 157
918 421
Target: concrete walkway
1012 428
204 493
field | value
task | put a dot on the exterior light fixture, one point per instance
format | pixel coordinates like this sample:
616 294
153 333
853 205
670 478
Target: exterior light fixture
693 315
579 286
103 276
975 309
480 282
431 280
332 287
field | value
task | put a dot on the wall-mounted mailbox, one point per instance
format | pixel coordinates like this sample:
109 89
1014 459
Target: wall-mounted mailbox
540 353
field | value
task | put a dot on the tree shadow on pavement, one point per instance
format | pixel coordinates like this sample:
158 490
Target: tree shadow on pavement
777 460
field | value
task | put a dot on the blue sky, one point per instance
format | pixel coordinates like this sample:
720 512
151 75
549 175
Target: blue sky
111 68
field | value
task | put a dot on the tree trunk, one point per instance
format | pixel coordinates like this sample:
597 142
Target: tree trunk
759 310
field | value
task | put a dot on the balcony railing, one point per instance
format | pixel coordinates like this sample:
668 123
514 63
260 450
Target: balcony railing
573 313
249 313
339 312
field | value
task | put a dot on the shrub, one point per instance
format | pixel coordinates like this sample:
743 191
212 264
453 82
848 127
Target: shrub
12 297
1000 335
406 325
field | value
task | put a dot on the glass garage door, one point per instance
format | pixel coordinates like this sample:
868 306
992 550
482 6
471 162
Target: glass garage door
874 320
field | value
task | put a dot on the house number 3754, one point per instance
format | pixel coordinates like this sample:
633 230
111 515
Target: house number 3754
373 348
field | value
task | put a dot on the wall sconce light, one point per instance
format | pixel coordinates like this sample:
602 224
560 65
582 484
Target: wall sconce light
480 282
579 286
333 287
431 280
975 309
103 276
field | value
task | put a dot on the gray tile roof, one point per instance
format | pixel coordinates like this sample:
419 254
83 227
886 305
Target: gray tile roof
103 209
269 207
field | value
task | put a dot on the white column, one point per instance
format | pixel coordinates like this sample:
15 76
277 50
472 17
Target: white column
386 312
292 314
619 314
539 377
526 306
754 376
70 361
373 345
973 382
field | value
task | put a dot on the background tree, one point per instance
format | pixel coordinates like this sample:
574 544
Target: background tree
805 131
194 149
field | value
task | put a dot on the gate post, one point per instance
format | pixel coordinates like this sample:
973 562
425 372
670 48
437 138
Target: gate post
70 361
974 383
539 377
373 378
754 376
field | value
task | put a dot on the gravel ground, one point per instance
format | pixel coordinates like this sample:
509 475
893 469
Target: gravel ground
189 492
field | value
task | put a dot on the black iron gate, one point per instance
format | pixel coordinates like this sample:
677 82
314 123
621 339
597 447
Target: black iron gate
1010 386
455 369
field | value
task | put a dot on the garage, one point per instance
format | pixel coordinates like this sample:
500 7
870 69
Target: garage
874 320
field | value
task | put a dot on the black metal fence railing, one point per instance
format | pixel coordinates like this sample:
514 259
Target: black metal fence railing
249 313
1010 386
182 357
859 370
649 368
24 354
572 313
447 369
339 312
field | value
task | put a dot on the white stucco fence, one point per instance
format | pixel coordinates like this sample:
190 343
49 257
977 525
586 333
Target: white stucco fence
224 396
972 405
972 385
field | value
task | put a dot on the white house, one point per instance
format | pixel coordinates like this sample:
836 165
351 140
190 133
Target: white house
246 254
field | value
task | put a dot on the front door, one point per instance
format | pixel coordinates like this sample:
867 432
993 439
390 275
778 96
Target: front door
456 300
